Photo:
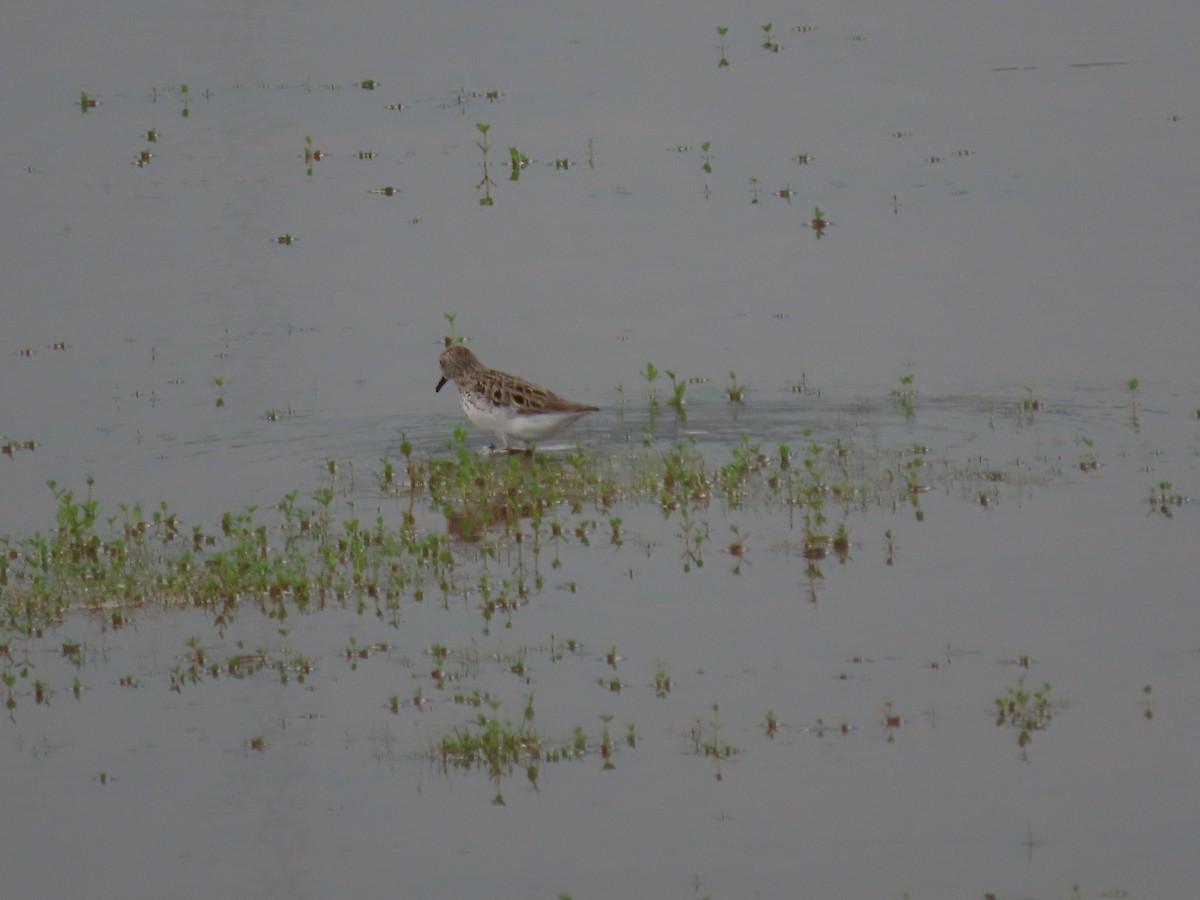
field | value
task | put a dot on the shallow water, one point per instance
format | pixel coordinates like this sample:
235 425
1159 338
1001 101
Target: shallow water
1012 195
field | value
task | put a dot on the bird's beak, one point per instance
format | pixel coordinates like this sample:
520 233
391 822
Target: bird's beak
441 384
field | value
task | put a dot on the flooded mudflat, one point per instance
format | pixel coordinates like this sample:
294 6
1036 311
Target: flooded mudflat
872 576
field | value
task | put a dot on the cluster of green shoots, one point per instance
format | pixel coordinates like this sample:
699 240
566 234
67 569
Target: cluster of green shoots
735 391
1163 498
517 162
501 747
1025 710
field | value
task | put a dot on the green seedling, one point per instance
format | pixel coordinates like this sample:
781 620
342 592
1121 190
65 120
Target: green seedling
706 157
785 457
453 337
734 391
769 39
693 533
676 400
183 92
733 477
486 183
219 384
753 190
86 102
614 524
518 161
9 678
650 373
1088 462
891 721
311 154
73 651
722 30
905 395
737 549
771 726
606 745
840 542
706 740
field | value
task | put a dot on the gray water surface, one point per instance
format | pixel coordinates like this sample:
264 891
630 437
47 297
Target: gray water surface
1012 192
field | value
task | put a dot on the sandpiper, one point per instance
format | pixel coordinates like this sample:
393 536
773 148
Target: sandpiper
508 406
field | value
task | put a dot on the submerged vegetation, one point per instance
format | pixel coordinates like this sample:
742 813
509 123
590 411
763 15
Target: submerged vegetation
315 550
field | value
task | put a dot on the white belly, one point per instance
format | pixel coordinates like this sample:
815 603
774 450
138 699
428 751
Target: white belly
508 424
